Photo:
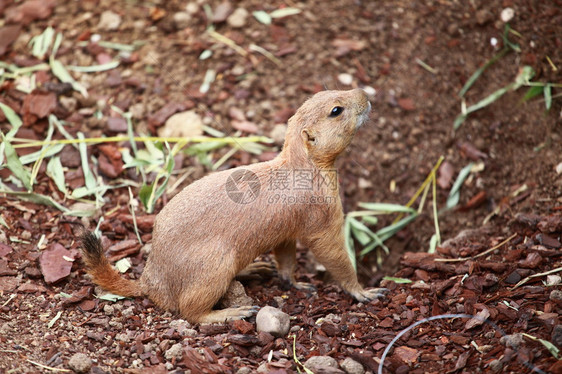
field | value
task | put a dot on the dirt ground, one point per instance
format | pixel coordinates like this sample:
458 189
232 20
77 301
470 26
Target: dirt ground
413 58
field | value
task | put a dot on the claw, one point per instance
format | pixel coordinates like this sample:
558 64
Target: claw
369 294
303 286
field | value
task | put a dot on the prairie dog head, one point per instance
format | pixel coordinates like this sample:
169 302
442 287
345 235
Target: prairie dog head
325 124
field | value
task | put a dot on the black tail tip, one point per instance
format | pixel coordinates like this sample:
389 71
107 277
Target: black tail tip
92 249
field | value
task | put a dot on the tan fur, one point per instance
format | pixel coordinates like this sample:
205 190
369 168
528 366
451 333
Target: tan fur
202 238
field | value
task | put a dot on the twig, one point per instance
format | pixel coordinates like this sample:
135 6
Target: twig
535 276
426 66
478 255
48 367
229 42
12 296
112 139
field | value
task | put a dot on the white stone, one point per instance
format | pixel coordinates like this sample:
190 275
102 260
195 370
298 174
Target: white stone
317 363
364 183
182 20
507 14
192 7
345 78
184 124
273 321
238 18
370 91
80 363
559 168
175 351
351 366
109 21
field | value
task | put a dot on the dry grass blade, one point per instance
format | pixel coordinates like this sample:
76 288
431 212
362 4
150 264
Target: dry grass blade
523 281
113 139
227 41
423 186
49 367
554 351
270 56
478 255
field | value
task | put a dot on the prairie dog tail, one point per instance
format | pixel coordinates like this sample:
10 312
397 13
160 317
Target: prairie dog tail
101 271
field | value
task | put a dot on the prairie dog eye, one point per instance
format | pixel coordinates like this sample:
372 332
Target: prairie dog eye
336 111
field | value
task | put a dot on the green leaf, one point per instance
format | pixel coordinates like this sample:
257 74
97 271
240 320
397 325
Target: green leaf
48 152
14 164
386 208
110 297
262 17
481 70
64 76
94 68
489 99
523 77
370 220
377 242
37 199
548 96
459 121
209 78
532 92
506 40
58 42
454 194
13 118
55 172
554 351
432 243
89 178
55 319
3 222
144 194
361 236
123 265
205 54
284 12
388 231
82 209
398 280
359 226
41 43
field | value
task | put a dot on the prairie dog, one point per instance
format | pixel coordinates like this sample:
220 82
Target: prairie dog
214 228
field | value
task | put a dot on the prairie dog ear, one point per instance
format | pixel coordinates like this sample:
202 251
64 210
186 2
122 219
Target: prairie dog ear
308 137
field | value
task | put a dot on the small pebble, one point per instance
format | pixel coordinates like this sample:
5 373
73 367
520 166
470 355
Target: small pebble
496 366
182 20
238 18
556 295
175 351
317 363
512 341
350 366
108 309
109 21
559 168
507 14
80 363
370 91
345 79
273 321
